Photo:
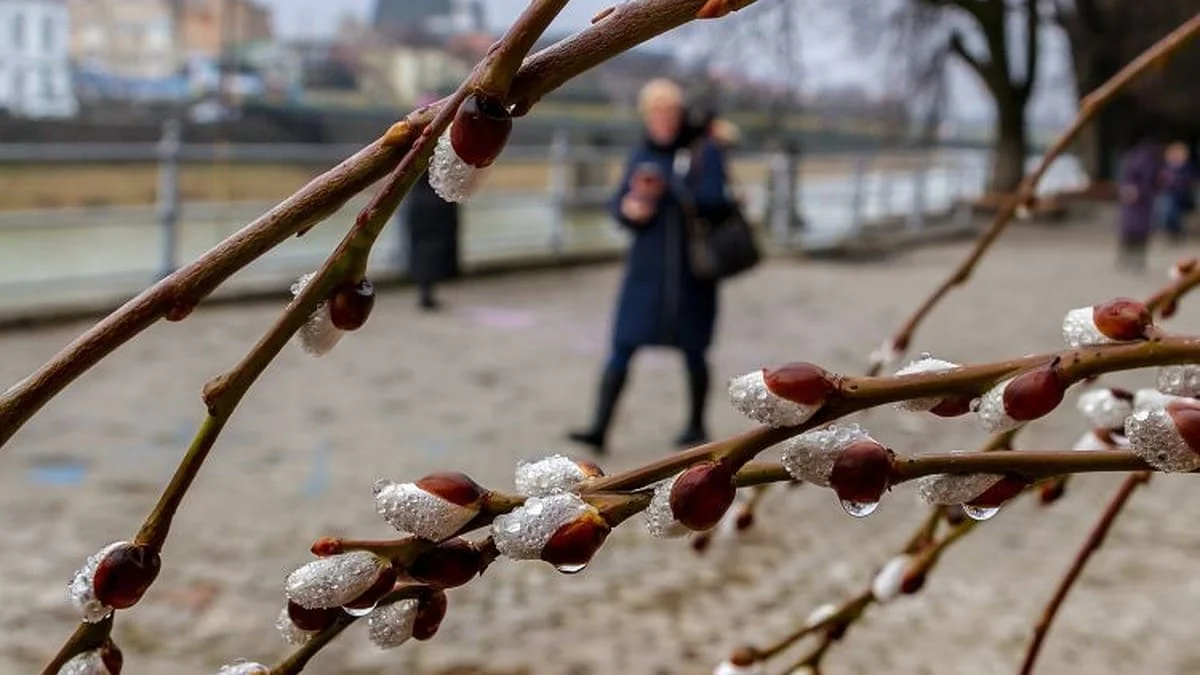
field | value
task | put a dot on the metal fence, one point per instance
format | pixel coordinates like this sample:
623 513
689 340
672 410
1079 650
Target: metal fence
90 257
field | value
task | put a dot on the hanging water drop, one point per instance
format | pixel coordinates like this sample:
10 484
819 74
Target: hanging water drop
859 509
571 569
360 611
980 512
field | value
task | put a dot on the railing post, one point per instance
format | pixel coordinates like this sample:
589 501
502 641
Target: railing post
167 195
560 153
784 192
916 219
858 197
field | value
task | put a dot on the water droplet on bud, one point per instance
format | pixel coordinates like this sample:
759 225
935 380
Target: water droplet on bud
859 509
571 569
360 611
980 512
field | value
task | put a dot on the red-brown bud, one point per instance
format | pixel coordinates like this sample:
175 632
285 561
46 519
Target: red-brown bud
744 656
702 494
573 544
431 609
327 546
1185 265
1168 309
454 487
914 580
862 472
382 586
112 658
1186 416
1034 393
1121 319
955 515
701 541
745 520
589 468
1123 394
312 619
1000 492
449 564
350 304
480 131
952 406
1052 491
125 574
802 383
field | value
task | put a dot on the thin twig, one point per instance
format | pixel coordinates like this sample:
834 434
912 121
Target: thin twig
1092 544
633 23
1091 105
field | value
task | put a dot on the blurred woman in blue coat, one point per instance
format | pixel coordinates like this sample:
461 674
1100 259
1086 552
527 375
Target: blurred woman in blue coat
661 302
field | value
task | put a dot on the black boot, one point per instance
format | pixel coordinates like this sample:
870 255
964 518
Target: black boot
694 433
611 385
427 301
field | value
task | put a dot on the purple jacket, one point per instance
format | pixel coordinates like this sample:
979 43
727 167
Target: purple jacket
1140 167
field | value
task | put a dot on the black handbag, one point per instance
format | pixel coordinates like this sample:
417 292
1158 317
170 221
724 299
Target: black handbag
720 250
724 249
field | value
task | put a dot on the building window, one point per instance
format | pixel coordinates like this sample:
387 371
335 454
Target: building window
48 34
47 83
18 31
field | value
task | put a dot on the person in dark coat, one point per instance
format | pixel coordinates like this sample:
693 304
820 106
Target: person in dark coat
1178 183
661 302
1138 190
432 240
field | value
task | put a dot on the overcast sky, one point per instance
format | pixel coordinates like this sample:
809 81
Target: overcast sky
308 17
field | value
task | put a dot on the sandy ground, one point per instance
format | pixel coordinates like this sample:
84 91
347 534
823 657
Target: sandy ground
499 377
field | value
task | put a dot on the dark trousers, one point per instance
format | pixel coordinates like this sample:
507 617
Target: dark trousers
1131 254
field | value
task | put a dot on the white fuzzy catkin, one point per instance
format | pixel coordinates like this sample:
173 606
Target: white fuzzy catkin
727 668
820 615
244 667
81 590
335 580
1150 399
1079 329
991 411
886 584
660 520
1154 437
925 364
390 626
450 177
409 508
90 662
289 631
1103 409
1181 380
523 533
548 476
318 336
750 395
810 456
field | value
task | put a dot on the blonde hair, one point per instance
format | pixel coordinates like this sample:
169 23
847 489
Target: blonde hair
659 92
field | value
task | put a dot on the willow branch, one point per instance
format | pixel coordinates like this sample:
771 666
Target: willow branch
630 25
1166 300
1089 107
1090 546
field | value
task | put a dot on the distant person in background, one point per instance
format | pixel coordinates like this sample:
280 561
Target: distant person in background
1137 189
433 238
1177 198
662 303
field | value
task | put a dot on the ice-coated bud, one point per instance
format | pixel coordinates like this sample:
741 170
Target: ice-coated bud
886 584
570 523
861 474
390 626
1052 491
480 130
953 406
1149 399
997 494
350 304
318 336
925 364
810 455
1117 320
451 178
366 601
702 494
450 564
336 580
106 660
1033 393
434 508
757 394
552 475
114 578
1106 408
955 489
1098 439
1181 380
244 667
1167 437
289 631
431 609
660 519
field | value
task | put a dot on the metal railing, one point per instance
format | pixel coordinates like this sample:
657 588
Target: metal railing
91 257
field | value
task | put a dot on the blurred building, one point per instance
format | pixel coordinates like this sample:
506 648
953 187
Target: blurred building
34 59
124 38
437 17
215 27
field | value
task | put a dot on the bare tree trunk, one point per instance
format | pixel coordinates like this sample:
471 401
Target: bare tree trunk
1011 145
